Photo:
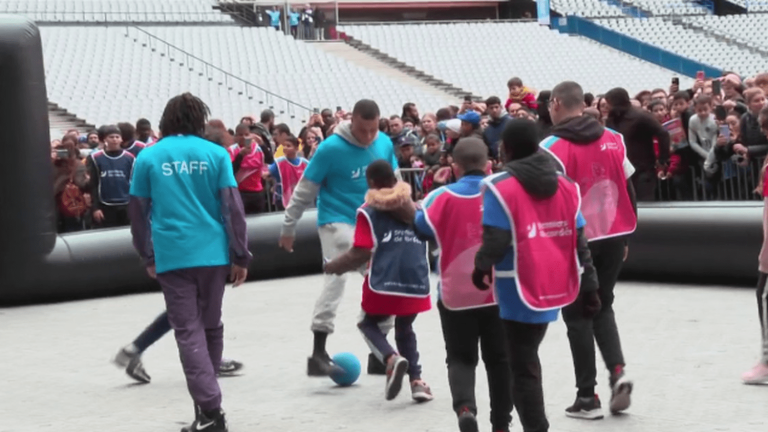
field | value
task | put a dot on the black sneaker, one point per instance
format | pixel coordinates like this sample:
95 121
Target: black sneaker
621 388
375 366
320 365
130 359
213 422
467 421
229 367
587 408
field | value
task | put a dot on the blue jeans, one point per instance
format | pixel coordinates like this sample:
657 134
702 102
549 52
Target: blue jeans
157 329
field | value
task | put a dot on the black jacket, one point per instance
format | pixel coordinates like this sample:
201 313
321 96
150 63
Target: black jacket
492 134
539 177
639 129
752 136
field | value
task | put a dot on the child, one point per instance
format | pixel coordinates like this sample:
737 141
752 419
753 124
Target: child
702 132
452 215
287 170
520 94
532 225
110 173
753 143
397 281
432 155
248 162
759 373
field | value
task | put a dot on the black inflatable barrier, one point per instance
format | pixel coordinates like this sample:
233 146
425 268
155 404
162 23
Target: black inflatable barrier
697 242
103 263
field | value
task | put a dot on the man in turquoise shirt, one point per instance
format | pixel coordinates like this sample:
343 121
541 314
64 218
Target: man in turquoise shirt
336 177
188 226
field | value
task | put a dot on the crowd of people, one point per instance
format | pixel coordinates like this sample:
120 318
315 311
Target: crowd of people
702 143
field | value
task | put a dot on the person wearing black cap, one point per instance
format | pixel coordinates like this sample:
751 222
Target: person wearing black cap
532 223
405 149
110 172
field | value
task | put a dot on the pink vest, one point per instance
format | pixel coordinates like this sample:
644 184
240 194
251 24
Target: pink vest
456 221
598 168
546 271
251 168
290 175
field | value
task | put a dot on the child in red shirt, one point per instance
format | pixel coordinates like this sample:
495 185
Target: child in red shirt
520 94
397 278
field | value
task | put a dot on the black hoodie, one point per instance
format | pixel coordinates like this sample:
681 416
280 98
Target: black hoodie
639 128
539 177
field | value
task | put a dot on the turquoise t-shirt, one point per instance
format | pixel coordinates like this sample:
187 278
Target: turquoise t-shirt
183 176
338 166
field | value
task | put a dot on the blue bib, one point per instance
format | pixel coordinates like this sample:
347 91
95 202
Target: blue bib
399 264
115 177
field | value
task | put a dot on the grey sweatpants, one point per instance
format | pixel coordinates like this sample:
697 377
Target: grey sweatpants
336 239
193 300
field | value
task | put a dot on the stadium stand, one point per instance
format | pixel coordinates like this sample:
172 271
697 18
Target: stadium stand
669 7
698 46
748 29
116 11
541 56
102 76
295 70
752 5
586 8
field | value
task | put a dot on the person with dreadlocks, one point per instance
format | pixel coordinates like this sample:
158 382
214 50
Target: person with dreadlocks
186 187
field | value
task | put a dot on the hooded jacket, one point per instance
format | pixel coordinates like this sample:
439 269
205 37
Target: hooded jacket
396 202
639 128
538 175
266 141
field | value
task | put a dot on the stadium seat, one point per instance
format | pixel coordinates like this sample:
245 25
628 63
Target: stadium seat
111 11
481 57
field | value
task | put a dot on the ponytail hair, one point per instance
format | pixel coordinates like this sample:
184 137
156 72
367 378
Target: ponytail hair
184 114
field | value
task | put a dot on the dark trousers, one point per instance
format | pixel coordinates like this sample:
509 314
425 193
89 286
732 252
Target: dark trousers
462 330
254 202
608 257
523 341
114 216
193 298
405 339
157 329
762 309
645 185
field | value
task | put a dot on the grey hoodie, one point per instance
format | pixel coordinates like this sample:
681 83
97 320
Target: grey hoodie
306 191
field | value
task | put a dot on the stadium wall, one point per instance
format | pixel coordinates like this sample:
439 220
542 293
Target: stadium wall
666 59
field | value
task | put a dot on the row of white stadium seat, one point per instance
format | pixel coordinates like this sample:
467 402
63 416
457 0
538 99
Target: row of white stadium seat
171 11
687 43
481 57
586 8
669 7
749 28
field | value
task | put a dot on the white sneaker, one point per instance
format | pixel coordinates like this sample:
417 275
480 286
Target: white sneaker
757 375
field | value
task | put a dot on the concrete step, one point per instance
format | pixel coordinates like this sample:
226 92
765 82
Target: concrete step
59 121
351 54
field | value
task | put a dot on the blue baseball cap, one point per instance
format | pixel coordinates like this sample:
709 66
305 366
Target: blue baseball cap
470 117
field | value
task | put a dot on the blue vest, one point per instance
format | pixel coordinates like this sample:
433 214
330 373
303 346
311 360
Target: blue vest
399 264
114 177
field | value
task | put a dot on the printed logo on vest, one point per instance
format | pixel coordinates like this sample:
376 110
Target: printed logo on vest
400 236
609 146
550 229
387 237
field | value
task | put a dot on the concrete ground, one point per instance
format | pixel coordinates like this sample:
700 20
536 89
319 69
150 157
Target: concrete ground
685 347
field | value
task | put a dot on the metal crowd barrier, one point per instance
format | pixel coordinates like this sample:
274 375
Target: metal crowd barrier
732 183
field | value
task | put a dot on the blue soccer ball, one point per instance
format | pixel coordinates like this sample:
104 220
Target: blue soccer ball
351 366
